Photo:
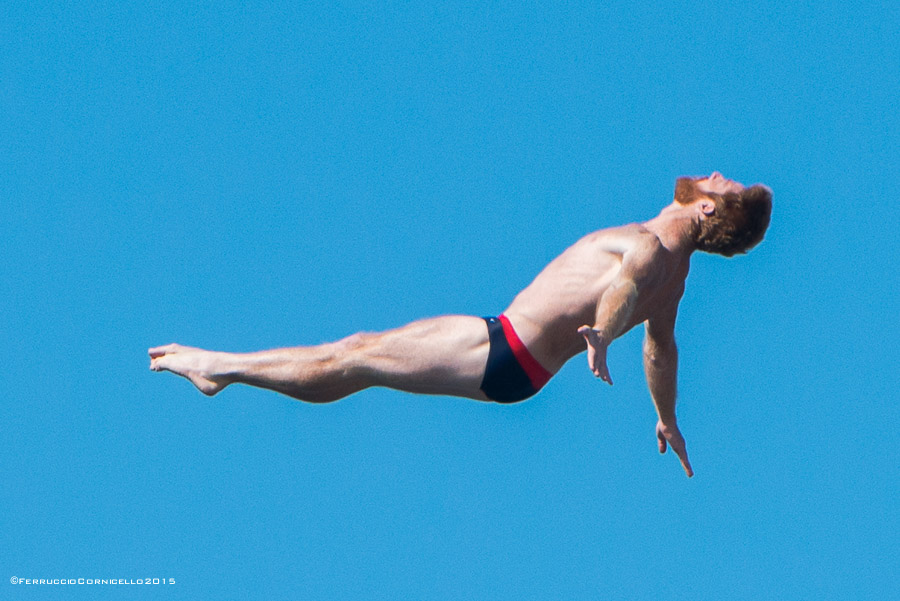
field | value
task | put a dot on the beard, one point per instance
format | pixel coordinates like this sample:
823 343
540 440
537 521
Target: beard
685 190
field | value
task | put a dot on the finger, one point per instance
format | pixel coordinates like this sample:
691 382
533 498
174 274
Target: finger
159 350
160 363
685 463
590 359
605 375
687 466
662 441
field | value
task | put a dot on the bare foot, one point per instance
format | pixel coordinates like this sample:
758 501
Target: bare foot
195 364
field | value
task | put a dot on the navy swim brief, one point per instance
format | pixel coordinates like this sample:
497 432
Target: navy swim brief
512 374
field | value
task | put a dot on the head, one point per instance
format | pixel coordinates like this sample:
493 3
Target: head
733 219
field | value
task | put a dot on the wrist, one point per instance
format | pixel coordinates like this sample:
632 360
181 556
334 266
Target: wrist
601 336
668 421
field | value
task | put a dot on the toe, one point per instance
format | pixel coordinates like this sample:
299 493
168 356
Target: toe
159 351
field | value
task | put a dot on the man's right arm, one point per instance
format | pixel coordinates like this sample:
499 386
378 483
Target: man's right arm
661 366
615 309
661 369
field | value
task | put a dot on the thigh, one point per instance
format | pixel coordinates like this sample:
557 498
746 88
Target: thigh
441 355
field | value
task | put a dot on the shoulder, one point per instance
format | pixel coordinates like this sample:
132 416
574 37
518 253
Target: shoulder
642 248
634 251
643 257
627 239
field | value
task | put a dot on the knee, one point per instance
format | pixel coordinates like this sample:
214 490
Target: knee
355 343
355 355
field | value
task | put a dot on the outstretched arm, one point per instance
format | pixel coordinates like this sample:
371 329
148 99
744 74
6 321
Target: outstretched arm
661 369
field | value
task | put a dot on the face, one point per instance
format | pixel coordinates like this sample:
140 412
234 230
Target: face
717 184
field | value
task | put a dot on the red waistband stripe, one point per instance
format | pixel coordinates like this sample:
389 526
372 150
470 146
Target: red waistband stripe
536 372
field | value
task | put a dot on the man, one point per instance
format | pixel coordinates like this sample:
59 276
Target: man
598 289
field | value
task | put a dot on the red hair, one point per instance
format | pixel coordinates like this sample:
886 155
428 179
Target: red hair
737 224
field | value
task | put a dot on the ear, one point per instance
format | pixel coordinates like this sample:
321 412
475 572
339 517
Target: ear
707 206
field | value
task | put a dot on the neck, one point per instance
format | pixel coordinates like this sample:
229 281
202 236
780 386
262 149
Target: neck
674 227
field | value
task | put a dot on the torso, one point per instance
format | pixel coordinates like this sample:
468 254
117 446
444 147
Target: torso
564 296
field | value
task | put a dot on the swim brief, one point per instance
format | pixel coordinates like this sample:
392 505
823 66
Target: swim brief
512 374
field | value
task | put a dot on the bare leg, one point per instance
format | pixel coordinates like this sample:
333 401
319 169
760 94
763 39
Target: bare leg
444 355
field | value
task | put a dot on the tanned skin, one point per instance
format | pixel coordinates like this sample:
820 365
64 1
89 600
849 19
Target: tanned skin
602 286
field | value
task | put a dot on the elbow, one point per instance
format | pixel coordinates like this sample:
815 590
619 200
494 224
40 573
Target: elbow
661 357
657 363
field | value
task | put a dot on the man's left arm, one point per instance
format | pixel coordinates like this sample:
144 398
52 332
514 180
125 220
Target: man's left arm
661 369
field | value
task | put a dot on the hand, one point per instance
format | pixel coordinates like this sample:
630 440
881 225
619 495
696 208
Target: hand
671 436
596 348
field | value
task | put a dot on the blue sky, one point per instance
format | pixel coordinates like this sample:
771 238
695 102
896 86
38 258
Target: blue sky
241 177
